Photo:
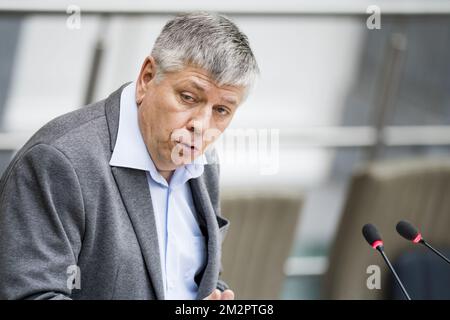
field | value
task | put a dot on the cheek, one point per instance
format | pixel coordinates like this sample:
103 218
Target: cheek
167 128
151 127
211 135
152 118
143 121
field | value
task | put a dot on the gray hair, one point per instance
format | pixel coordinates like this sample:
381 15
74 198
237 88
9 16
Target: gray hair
209 41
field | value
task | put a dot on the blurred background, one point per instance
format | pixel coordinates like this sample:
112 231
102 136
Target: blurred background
352 120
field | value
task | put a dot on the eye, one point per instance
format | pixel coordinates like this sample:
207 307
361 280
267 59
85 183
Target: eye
187 98
222 111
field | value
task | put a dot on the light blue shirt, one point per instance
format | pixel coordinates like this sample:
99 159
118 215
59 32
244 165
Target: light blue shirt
181 243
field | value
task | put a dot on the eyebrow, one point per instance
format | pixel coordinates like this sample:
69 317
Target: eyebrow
202 89
196 85
230 100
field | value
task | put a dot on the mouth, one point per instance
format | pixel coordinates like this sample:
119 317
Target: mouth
188 147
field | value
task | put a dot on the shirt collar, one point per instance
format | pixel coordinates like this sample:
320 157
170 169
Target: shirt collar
130 150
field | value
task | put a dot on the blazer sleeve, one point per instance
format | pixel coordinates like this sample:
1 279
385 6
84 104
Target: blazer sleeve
41 225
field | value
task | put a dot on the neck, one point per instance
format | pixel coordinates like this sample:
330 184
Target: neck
166 174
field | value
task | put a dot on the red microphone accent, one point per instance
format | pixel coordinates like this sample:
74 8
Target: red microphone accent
377 243
418 238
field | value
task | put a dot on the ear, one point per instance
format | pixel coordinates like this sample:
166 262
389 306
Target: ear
146 75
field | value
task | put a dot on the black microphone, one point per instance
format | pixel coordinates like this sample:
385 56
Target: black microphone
372 236
409 232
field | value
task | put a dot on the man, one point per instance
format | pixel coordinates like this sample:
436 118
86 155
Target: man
120 199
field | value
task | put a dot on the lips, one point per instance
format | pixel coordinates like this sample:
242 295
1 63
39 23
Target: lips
189 147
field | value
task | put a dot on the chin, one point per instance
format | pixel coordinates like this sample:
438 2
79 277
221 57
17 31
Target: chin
186 160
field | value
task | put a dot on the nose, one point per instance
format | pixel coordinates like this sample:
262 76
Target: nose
200 121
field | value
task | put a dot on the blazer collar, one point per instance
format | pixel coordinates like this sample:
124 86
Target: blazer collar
112 111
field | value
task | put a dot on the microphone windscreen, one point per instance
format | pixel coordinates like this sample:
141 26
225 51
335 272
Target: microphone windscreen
370 233
407 230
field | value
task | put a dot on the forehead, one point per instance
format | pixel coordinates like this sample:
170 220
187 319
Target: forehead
198 80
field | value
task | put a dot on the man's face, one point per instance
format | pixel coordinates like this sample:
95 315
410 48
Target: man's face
182 113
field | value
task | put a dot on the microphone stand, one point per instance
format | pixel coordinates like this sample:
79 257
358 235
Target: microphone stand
434 250
380 249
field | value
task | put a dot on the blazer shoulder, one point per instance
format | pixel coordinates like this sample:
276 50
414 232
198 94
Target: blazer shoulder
66 123
67 132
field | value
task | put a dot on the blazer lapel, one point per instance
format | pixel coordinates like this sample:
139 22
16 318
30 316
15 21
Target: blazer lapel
134 190
135 194
203 203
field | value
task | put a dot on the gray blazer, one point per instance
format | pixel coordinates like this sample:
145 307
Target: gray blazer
66 214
